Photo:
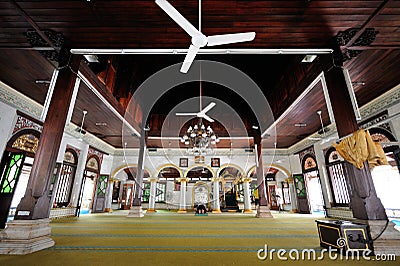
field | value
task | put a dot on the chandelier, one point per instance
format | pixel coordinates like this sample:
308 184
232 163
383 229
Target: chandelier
199 139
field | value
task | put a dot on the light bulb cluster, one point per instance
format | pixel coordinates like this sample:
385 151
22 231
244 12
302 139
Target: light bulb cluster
199 139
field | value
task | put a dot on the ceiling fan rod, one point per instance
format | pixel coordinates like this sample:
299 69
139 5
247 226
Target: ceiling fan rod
200 15
83 120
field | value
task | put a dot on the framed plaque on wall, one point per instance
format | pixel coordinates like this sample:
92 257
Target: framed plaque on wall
183 162
214 162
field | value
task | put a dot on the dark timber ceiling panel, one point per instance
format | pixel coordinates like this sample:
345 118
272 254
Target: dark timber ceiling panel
142 24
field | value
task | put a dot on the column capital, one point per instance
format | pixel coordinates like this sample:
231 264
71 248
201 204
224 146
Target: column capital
183 179
246 179
216 179
153 179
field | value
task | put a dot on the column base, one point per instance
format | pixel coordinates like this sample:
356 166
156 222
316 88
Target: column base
248 211
264 212
151 210
135 212
216 211
22 237
389 241
182 211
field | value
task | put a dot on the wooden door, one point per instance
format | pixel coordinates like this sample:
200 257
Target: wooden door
301 193
100 195
11 166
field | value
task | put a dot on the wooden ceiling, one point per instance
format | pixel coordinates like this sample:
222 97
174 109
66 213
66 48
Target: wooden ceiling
142 24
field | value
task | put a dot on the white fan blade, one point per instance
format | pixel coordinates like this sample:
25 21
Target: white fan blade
206 117
208 108
177 17
186 114
230 38
189 58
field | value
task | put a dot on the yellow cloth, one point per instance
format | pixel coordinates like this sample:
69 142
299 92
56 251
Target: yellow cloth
360 147
255 193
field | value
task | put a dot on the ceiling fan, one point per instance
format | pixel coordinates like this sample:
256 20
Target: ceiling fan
200 40
324 138
202 113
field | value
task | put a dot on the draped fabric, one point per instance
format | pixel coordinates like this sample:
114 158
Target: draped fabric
360 147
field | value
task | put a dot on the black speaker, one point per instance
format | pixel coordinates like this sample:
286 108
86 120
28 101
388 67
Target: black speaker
345 236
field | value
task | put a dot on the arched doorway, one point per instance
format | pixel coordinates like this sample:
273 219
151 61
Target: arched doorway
277 185
386 178
200 185
16 165
231 192
88 186
129 186
312 184
168 184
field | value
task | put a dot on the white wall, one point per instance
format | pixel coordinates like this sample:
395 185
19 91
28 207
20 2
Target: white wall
394 110
107 164
8 117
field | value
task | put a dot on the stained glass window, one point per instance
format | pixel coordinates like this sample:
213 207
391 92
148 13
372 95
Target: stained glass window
102 185
12 173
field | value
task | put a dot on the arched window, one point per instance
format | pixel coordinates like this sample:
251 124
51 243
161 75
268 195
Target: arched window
66 179
92 164
311 181
309 163
337 178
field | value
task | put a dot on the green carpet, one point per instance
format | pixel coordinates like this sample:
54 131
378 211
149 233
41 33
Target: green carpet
168 238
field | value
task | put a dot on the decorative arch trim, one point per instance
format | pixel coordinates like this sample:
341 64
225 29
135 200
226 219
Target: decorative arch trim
20 133
98 162
200 165
168 165
122 167
304 159
230 165
276 166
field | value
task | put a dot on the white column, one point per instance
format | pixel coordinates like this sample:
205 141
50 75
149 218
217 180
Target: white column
79 175
153 190
217 207
182 202
108 204
246 192
293 195
136 210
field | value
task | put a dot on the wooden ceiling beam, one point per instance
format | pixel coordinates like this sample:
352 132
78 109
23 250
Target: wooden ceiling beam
33 24
367 23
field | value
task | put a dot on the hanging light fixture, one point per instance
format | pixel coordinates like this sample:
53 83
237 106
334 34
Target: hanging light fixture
199 139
